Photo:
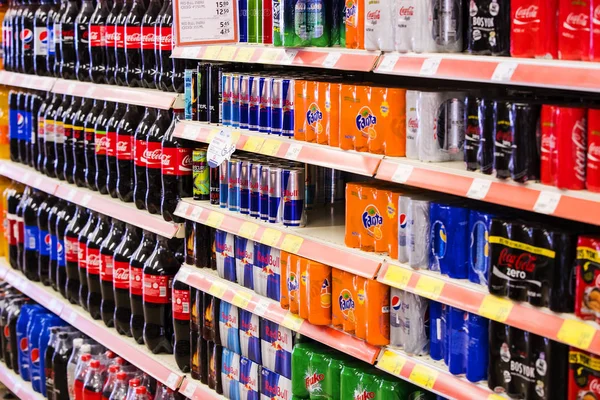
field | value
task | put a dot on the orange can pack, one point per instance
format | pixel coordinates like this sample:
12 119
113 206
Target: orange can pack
361 307
388 203
357 120
372 237
354 202
293 284
329 104
389 132
284 294
344 299
355 24
307 114
302 272
337 283
319 293
378 313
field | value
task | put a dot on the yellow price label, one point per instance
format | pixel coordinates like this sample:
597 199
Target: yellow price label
215 219
270 237
292 243
423 376
269 56
248 230
495 308
227 53
270 147
217 289
212 134
253 144
241 299
211 53
429 287
576 333
244 54
397 277
391 362
292 321
495 396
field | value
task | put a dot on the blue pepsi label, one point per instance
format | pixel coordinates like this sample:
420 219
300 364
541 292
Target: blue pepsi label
229 327
249 383
479 249
21 125
27 128
276 348
13 117
45 242
60 253
250 336
31 237
273 386
230 374
51 51
54 248
449 235
244 261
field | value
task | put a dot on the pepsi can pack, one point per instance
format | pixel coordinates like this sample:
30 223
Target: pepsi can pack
413 230
230 374
276 345
225 255
250 336
267 271
244 261
28 313
249 382
229 326
479 246
274 386
449 237
409 322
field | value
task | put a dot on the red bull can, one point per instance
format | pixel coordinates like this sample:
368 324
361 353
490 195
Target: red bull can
223 184
254 183
254 103
245 187
263 187
275 191
277 106
235 181
245 84
264 116
226 98
235 100
294 211
288 107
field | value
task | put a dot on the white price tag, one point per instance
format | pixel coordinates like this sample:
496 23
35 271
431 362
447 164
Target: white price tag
72 317
331 60
190 132
26 177
430 66
71 88
262 307
86 199
190 389
55 306
182 275
181 208
547 202
504 71
479 189
71 194
172 380
289 56
189 52
402 173
195 214
38 181
220 148
293 151
90 92
205 21
388 63
16 388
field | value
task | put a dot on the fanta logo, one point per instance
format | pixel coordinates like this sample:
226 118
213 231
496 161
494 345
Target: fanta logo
364 395
396 303
403 220
35 356
346 302
26 35
365 119
313 380
372 220
351 9
313 115
292 283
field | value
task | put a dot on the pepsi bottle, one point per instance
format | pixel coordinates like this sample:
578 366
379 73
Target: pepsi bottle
62 111
84 237
44 239
125 143
107 252
121 260
111 148
101 146
148 38
153 185
49 164
141 156
94 298
59 204
57 39
30 261
136 270
67 41
40 37
7 35
53 12
13 120
16 37
89 129
72 253
77 169
111 41
120 54
35 103
27 37
133 44
165 46
65 215
97 35
82 40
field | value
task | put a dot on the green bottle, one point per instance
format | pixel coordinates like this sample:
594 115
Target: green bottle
295 32
277 23
317 24
253 21
342 22
259 22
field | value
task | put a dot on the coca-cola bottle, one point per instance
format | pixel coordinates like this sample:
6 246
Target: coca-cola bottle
153 184
49 381
111 148
120 54
119 391
30 261
53 64
100 146
176 170
35 103
111 381
16 36
63 218
64 144
163 46
78 140
59 137
53 11
107 252
93 382
133 44
84 237
41 147
40 37
53 241
67 40
89 128
49 129
140 157
125 145
136 273
72 253
121 261
159 272
94 298
44 239
97 33
181 324
82 40
27 37
148 39
111 60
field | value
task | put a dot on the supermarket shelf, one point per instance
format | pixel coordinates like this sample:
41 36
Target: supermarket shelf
126 212
287 148
432 375
554 74
322 240
26 81
193 389
452 178
161 367
208 281
316 57
17 385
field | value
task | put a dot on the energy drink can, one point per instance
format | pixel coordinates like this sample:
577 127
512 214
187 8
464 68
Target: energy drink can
288 107
216 93
249 384
263 187
200 170
245 187
243 20
264 114
277 343
234 178
190 93
246 82
267 271
294 212
230 374
214 186
223 183
224 243
274 386
215 352
229 327
275 192
254 103
235 100
244 261
250 336
277 104
254 183
226 102
203 83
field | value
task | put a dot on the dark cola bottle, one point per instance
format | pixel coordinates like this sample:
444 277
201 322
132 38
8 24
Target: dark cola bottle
84 237
69 121
13 200
176 170
41 147
53 10
142 156
111 33
25 200
503 139
57 36
136 275
89 151
22 125
44 239
120 54
107 253
7 35
159 273
100 146
35 103
78 167
67 40
27 37
94 298
13 115
165 46
125 144
65 215
31 239
72 232
97 34
152 184
148 38
59 142
53 135
53 241
121 260
82 40
40 37
133 44
181 325
111 148
16 36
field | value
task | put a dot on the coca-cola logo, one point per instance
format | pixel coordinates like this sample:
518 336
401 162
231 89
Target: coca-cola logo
94 35
166 39
527 13
166 160
597 15
101 141
134 37
413 123
122 146
116 36
93 260
110 36
374 15
594 153
406 11
578 20
148 38
595 386
522 262
578 135
548 143
121 274
186 161
154 155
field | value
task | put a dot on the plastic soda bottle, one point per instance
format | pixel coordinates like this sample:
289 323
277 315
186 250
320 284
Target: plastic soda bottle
295 32
4 138
317 23
355 24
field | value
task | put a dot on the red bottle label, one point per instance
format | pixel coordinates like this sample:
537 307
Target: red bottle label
11 231
135 280
106 268
176 161
593 151
93 261
120 37
82 255
140 150
72 249
133 37
181 304
100 142
121 275
125 147
153 155
111 144
148 38
110 36
166 38
157 289
20 231
91 395
97 35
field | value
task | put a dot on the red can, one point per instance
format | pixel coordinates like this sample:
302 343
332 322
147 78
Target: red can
548 147
571 149
534 28
574 29
592 177
267 22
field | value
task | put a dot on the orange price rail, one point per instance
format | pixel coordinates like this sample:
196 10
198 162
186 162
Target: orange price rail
281 147
207 281
317 57
161 367
26 81
323 241
17 385
452 178
125 212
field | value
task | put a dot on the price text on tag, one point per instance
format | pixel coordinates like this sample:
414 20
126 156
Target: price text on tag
495 308
576 333
391 362
397 277
221 148
429 287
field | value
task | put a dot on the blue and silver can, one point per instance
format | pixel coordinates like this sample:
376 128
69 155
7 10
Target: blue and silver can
294 212
226 106
245 187
275 192
245 86
235 190
230 374
267 271
229 327
277 358
254 103
277 104
250 336
254 182
223 183
249 384
263 187
225 255
235 100
288 107
264 115
244 261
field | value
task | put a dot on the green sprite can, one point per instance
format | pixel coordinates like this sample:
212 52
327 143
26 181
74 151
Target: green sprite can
201 175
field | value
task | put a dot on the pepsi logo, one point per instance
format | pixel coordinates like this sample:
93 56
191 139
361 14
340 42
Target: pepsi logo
23 344
396 303
43 37
47 239
59 247
35 356
27 35
20 120
403 220
7 332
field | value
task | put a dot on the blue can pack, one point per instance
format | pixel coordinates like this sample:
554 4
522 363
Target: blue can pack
478 348
28 313
479 249
244 261
276 346
437 325
249 388
250 336
267 271
45 242
449 238
225 255
31 237
229 327
38 342
458 340
230 374
274 386
243 21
